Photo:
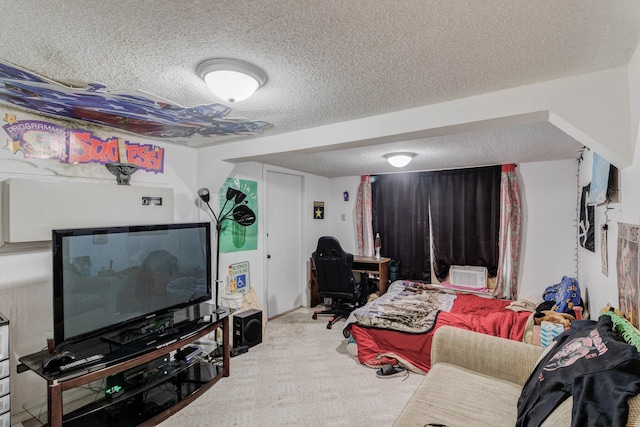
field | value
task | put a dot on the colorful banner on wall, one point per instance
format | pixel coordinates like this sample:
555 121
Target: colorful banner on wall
130 110
38 139
627 269
233 236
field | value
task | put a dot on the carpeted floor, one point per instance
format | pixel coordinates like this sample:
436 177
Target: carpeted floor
300 375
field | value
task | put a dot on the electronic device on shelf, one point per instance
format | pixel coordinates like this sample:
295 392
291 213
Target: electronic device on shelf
188 353
237 351
124 283
118 383
53 363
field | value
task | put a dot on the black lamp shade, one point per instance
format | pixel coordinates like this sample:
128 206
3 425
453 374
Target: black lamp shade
243 215
231 193
204 194
240 196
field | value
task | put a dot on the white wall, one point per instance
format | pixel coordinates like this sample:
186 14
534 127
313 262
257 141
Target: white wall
549 198
341 213
603 290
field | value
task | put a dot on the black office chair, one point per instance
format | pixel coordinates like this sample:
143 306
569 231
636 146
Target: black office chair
335 280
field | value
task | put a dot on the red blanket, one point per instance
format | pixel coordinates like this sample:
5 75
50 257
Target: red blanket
488 316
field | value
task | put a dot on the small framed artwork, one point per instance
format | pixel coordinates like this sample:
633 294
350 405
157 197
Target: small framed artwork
318 210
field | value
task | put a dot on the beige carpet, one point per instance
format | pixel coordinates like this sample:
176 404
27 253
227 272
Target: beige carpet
300 375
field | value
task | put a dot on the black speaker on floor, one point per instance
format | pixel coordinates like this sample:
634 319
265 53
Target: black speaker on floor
247 328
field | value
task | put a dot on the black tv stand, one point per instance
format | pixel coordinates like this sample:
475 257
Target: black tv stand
146 402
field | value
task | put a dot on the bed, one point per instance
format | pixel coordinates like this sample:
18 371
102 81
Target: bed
400 324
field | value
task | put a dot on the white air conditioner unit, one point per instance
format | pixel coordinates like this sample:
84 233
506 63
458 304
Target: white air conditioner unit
468 275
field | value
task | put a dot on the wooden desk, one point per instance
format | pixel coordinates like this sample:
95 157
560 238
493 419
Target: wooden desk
378 267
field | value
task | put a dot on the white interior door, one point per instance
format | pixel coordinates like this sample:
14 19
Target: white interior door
284 243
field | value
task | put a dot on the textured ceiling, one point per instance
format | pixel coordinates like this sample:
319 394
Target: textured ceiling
515 144
333 61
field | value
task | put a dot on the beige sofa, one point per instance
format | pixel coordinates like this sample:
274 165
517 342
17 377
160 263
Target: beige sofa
476 380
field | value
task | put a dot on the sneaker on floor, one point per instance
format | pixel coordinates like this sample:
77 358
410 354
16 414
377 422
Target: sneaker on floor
381 361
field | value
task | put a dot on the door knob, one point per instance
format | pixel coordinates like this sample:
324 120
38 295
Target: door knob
268 256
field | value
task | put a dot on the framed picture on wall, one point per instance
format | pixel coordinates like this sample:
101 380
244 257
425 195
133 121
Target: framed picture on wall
233 236
318 210
627 269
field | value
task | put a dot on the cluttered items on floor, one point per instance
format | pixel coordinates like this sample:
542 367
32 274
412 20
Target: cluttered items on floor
588 361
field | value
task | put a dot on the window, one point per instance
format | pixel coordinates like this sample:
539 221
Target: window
461 207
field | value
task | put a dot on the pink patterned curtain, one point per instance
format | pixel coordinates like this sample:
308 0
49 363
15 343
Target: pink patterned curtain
364 228
509 239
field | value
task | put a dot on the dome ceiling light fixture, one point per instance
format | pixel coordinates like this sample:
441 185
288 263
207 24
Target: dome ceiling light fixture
399 160
231 79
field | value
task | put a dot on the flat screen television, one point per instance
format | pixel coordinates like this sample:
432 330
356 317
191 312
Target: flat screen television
106 278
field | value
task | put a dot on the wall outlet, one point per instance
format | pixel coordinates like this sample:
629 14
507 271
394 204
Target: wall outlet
148 201
343 217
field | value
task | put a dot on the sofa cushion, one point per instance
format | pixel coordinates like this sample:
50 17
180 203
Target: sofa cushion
634 411
561 416
508 360
489 402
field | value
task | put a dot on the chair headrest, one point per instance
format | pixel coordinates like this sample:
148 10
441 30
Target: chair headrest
329 247
328 243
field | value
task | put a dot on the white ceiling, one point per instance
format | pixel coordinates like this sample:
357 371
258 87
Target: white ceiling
333 61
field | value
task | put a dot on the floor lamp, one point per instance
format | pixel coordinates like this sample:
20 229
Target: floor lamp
238 212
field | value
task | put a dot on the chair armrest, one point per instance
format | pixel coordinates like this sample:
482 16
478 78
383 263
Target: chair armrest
497 357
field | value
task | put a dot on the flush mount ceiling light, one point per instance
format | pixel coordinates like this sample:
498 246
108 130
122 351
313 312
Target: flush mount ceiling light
399 160
231 79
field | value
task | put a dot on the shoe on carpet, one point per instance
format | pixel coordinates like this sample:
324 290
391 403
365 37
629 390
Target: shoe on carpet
380 361
388 371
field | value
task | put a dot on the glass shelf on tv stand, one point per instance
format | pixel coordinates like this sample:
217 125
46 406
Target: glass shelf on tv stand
193 384
81 402
73 400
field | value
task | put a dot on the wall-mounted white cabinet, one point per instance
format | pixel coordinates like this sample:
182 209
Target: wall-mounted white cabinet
32 208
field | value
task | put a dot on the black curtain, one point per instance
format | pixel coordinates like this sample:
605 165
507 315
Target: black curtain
465 219
400 208
465 214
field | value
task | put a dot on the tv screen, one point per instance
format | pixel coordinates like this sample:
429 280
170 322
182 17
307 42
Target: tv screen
106 278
